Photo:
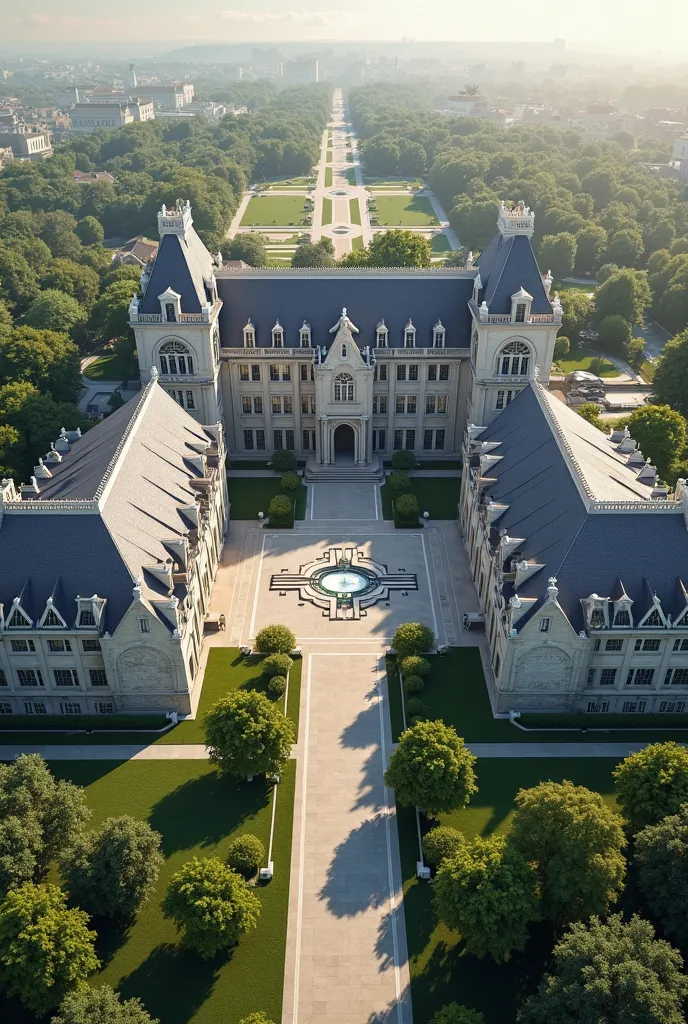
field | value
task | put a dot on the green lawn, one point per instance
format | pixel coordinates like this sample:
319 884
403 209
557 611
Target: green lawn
351 176
357 242
405 210
440 243
439 496
392 182
328 158
326 211
580 359
328 177
198 813
112 367
441 970
354 211
282 210
248 496
647 370
455 691
303 182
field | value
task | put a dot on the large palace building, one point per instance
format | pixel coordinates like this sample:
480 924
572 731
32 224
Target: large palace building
579 555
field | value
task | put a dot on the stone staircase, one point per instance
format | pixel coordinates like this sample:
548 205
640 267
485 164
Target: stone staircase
315 473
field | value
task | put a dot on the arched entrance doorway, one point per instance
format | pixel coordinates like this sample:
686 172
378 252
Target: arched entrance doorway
344 445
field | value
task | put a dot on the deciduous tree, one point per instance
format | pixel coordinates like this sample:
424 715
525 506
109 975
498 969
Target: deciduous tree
432 769
46 359
413 638
53 310
670 381
101 1005
661 435
661 857
398 249
652 783
247 734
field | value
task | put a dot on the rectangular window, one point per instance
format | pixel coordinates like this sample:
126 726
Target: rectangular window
105 707
274 371
427 440
650 645
410 339
545 624
444 371
90 646
613 645
410 440
634 707
35 707
306 440
411 404
591 677
255 372
59 646
86 617
70 707
380 372
382 404
596 644
432 371
3 677
245 404
439 440
260 440
65 677
248 440
499 404
289 440
668 707
286 372
5 708
258 404
190 401
640 677
98 677
29 677
243 371
276 401
676 677
277 442
520 317
379 440
430 405
596 707
144 625
441 404
607 677
413 371
23 646
400 404
288 403
304 404
304 371
401 372
681 645
277 339
398 440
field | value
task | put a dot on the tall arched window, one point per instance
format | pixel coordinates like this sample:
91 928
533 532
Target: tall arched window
514 359
343 388
175 358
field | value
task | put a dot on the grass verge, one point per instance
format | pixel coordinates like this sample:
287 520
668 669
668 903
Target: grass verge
580 359
328 177
357 243
354 211
438 496
112 367
198 813
281 210
414 211
327 211
440 243
249 496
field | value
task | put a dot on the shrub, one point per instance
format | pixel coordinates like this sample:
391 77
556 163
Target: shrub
290 482
283 461
101 1005
441 843
413 684
416 708
277 685
453 1013
256 1018
413 638
246 854
276 665
280 512
406 510
414 665
403 460
399 482
275 639
562 347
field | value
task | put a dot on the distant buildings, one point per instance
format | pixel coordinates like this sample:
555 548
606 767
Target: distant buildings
301 72
86 117
89 177
679 157
136 252
463 105
27 142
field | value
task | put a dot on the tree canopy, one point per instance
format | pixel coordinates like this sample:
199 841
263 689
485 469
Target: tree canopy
246 734
661 435
652 783
432 769
670 381
101 1005
661 857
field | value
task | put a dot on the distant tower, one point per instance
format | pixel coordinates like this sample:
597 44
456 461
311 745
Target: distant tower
133 83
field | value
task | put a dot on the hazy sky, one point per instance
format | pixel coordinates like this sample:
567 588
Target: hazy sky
657 25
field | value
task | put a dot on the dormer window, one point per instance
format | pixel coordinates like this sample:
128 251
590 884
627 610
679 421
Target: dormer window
277 335
409 335
170 306
175 359
381 333
520 306
86 618
438 333
622 617
51 617
305 335
170 313
595 609
249 335
520 314
514 359
18 619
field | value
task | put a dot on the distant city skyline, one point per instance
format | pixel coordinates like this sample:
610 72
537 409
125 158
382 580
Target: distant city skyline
616 25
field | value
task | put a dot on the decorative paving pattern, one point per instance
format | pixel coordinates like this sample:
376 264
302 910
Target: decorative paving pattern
343 582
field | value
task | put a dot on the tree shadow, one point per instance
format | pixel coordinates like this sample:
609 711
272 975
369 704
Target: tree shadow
364 731
390 1014
370 786
357 875
202 811
112 933
155 982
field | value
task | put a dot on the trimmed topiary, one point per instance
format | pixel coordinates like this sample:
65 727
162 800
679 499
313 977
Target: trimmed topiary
290 482
246 854
276 639
399 481
406 509
403 460
413 684
283 461
276 665
416 708
441 843
277 685
413 638
280 512
414 665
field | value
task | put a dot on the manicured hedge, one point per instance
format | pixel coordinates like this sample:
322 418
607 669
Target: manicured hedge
602 721
30 723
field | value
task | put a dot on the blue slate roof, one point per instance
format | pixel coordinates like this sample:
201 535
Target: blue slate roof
182 264
507 264
318 297
588 552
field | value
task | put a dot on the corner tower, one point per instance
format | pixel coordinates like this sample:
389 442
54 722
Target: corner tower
514 322
175 317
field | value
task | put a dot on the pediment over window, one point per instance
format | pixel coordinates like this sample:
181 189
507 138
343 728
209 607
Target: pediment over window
18 618
51 617
596 611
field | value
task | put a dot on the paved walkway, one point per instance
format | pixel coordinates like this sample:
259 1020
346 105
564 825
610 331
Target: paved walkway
346 940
